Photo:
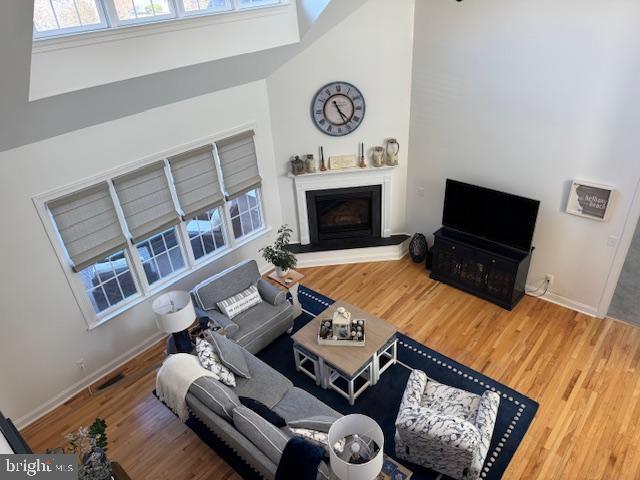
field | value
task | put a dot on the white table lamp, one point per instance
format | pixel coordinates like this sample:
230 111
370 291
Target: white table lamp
174 314
364 427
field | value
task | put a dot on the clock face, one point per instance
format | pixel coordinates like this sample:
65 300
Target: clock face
338 108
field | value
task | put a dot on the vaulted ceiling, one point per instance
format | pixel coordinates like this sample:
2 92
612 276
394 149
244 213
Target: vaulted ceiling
23 122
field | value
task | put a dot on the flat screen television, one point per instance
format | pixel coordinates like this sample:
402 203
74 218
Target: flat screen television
497 216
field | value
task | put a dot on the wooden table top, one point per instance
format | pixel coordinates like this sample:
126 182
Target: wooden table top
290 279
348 359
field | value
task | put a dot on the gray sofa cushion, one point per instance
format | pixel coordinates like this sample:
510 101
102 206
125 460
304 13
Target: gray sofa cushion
319 423
298 404
228 433
270 440
270 293
230 353
260 319
226 284
266 384
216 396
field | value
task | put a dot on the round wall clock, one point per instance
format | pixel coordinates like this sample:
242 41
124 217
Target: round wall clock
338 108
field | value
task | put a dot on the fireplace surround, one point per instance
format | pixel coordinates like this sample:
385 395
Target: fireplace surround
361 177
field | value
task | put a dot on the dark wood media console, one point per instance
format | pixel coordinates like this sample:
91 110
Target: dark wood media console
489 270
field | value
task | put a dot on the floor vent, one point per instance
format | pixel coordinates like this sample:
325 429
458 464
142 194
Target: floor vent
113 380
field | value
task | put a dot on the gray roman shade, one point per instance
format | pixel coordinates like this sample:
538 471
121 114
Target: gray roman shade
239 164
88 225
146 201
196 180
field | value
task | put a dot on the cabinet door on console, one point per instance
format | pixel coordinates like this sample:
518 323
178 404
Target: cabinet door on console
448 259
500 277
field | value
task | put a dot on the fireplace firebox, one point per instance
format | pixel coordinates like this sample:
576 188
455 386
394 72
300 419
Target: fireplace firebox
344 213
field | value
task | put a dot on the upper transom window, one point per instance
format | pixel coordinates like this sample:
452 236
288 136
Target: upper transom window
52 18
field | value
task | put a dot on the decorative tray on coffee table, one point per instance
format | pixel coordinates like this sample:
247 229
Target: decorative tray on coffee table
352 335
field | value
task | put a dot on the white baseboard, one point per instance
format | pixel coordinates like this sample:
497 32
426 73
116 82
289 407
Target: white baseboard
566 302
86 381
354 255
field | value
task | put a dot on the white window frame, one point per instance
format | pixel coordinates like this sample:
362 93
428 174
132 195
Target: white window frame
262 4
144 290
60 32
260 209
225 237
182 13
175 273
115 21
118 305
110 20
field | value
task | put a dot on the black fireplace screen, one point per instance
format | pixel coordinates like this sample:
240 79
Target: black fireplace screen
344 213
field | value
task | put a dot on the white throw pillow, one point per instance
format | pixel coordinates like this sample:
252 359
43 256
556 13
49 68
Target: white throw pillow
318 438
240 302
210 360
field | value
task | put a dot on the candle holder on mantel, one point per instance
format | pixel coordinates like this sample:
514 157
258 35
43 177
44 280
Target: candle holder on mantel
363 163
323 167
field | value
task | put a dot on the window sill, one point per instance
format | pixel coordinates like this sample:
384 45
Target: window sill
135 30
168 282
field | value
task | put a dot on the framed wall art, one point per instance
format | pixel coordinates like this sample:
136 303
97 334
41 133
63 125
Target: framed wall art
590 200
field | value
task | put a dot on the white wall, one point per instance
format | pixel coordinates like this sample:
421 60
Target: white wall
525 96
43 331
67 64
372 49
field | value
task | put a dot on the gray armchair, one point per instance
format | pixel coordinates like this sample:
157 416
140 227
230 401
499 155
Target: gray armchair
255 328
444 428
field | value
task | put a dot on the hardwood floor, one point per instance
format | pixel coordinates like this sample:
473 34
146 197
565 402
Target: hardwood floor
584 372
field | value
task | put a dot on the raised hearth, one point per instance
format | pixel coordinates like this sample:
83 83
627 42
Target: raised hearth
349 244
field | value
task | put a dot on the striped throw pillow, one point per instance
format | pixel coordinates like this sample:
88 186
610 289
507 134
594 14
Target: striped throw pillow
237 304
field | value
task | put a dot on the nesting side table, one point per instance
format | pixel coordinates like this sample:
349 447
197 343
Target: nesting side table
290 281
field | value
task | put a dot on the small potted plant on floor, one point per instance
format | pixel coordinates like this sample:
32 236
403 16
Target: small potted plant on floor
278 255
90 446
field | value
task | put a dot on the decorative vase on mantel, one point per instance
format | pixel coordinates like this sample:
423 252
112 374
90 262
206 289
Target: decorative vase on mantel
392 150
377 156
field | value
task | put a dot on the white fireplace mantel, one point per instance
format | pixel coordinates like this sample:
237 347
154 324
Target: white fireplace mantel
360 177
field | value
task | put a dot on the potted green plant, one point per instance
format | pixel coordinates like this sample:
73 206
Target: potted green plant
278 255
90 446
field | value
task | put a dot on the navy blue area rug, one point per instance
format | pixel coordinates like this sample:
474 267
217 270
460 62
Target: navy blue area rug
382 401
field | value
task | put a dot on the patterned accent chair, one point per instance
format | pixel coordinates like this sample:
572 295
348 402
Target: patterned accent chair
444 428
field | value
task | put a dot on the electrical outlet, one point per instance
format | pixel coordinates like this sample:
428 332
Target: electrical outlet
81 364
549 279
420 191
612 241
